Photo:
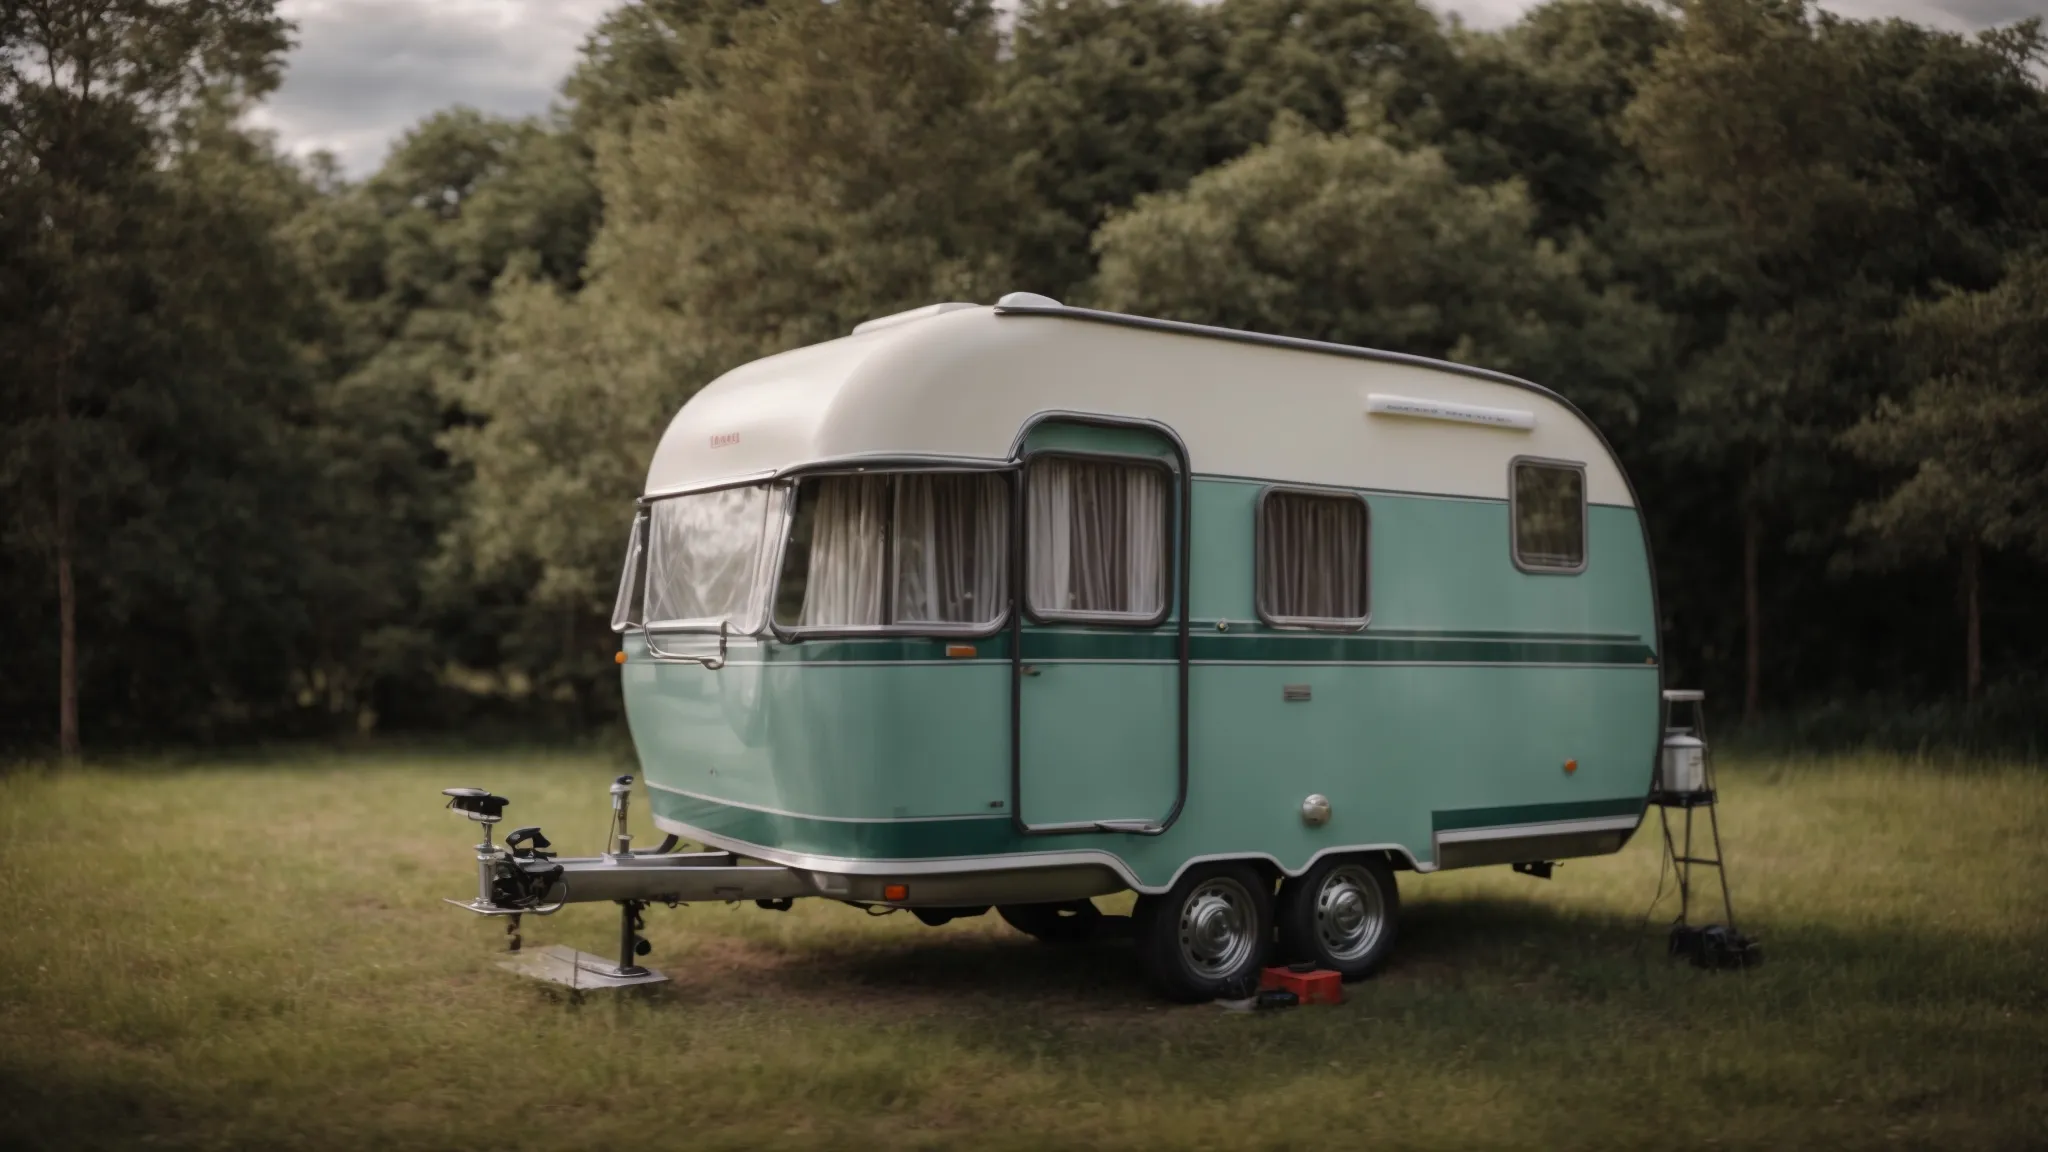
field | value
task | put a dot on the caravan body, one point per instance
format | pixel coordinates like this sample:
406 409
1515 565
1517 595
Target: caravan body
1025 604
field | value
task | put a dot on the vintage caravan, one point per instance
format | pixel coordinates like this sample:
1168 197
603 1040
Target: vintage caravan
1012 607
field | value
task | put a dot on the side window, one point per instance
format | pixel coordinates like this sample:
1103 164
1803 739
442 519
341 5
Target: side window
1097 536
1549 516
911 550
1313 560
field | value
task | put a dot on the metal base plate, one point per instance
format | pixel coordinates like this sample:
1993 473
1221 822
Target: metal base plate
561 964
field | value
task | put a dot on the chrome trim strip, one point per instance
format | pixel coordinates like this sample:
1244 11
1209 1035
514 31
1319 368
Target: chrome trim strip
944 865
1553 828
1401 664
858 462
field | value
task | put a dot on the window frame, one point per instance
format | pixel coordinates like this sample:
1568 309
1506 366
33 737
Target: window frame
1515 518
792 484
1020 563
1307 623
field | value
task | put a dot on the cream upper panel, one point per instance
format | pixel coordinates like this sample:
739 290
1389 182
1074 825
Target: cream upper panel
964 383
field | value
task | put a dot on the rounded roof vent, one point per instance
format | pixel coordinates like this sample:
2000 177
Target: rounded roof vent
1028 300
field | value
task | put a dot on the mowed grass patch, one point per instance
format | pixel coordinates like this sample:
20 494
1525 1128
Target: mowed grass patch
258 956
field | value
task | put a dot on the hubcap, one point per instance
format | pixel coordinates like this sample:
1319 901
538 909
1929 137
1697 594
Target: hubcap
1349 912
1218 928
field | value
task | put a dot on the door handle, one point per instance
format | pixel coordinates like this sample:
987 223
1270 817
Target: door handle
1029 670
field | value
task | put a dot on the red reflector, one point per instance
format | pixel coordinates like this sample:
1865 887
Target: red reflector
959 651
896 892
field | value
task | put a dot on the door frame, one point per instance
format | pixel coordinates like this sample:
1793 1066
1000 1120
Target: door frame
1183 491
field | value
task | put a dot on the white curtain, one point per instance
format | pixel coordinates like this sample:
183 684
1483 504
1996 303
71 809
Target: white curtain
704 557
1312 557
952 548
844 585
1097 537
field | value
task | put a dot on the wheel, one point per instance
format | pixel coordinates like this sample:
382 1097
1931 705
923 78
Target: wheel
1069 922
1206 938
1341 914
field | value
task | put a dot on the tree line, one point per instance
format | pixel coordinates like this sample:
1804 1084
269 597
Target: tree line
289 453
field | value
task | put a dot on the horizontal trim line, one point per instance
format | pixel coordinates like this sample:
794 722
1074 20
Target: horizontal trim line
1051 646
833 819
1518 816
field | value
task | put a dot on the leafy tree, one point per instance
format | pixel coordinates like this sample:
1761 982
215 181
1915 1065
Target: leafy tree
1744 124
846 165
1971 438
1541 101
1107 102
1353 239
641 53
125 365
407 261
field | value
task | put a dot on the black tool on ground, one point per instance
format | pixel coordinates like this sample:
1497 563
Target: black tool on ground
1274 998
1715 946
1685 783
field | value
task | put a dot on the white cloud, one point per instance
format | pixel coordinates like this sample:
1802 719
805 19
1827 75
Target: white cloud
365 70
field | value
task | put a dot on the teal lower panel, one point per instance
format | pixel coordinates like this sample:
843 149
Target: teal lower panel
1101 742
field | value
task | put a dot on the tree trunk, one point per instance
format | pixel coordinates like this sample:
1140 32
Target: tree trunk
1752 678
1973 675
67 600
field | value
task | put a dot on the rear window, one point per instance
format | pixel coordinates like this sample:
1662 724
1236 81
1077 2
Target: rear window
1548 503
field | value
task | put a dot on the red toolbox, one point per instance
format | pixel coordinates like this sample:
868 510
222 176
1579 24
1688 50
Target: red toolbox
1312 986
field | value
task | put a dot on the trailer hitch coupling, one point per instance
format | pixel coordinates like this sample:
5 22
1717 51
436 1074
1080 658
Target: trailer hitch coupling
524 876
518 878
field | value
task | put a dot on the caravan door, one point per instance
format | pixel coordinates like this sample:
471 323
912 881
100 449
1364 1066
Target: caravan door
1099 660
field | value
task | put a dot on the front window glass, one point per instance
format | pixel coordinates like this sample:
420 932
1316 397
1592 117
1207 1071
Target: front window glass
626 609
910 550
704 556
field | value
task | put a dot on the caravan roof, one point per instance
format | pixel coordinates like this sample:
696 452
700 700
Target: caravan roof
961 382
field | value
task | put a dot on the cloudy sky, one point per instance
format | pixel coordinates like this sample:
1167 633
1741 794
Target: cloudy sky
366 69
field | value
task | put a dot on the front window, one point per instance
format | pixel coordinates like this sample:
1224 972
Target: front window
626 609
704 558
915 551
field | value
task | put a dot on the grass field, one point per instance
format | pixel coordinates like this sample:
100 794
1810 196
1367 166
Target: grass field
256 955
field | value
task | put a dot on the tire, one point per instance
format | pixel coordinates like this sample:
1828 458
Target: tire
1207 937
1342 914
1069 922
